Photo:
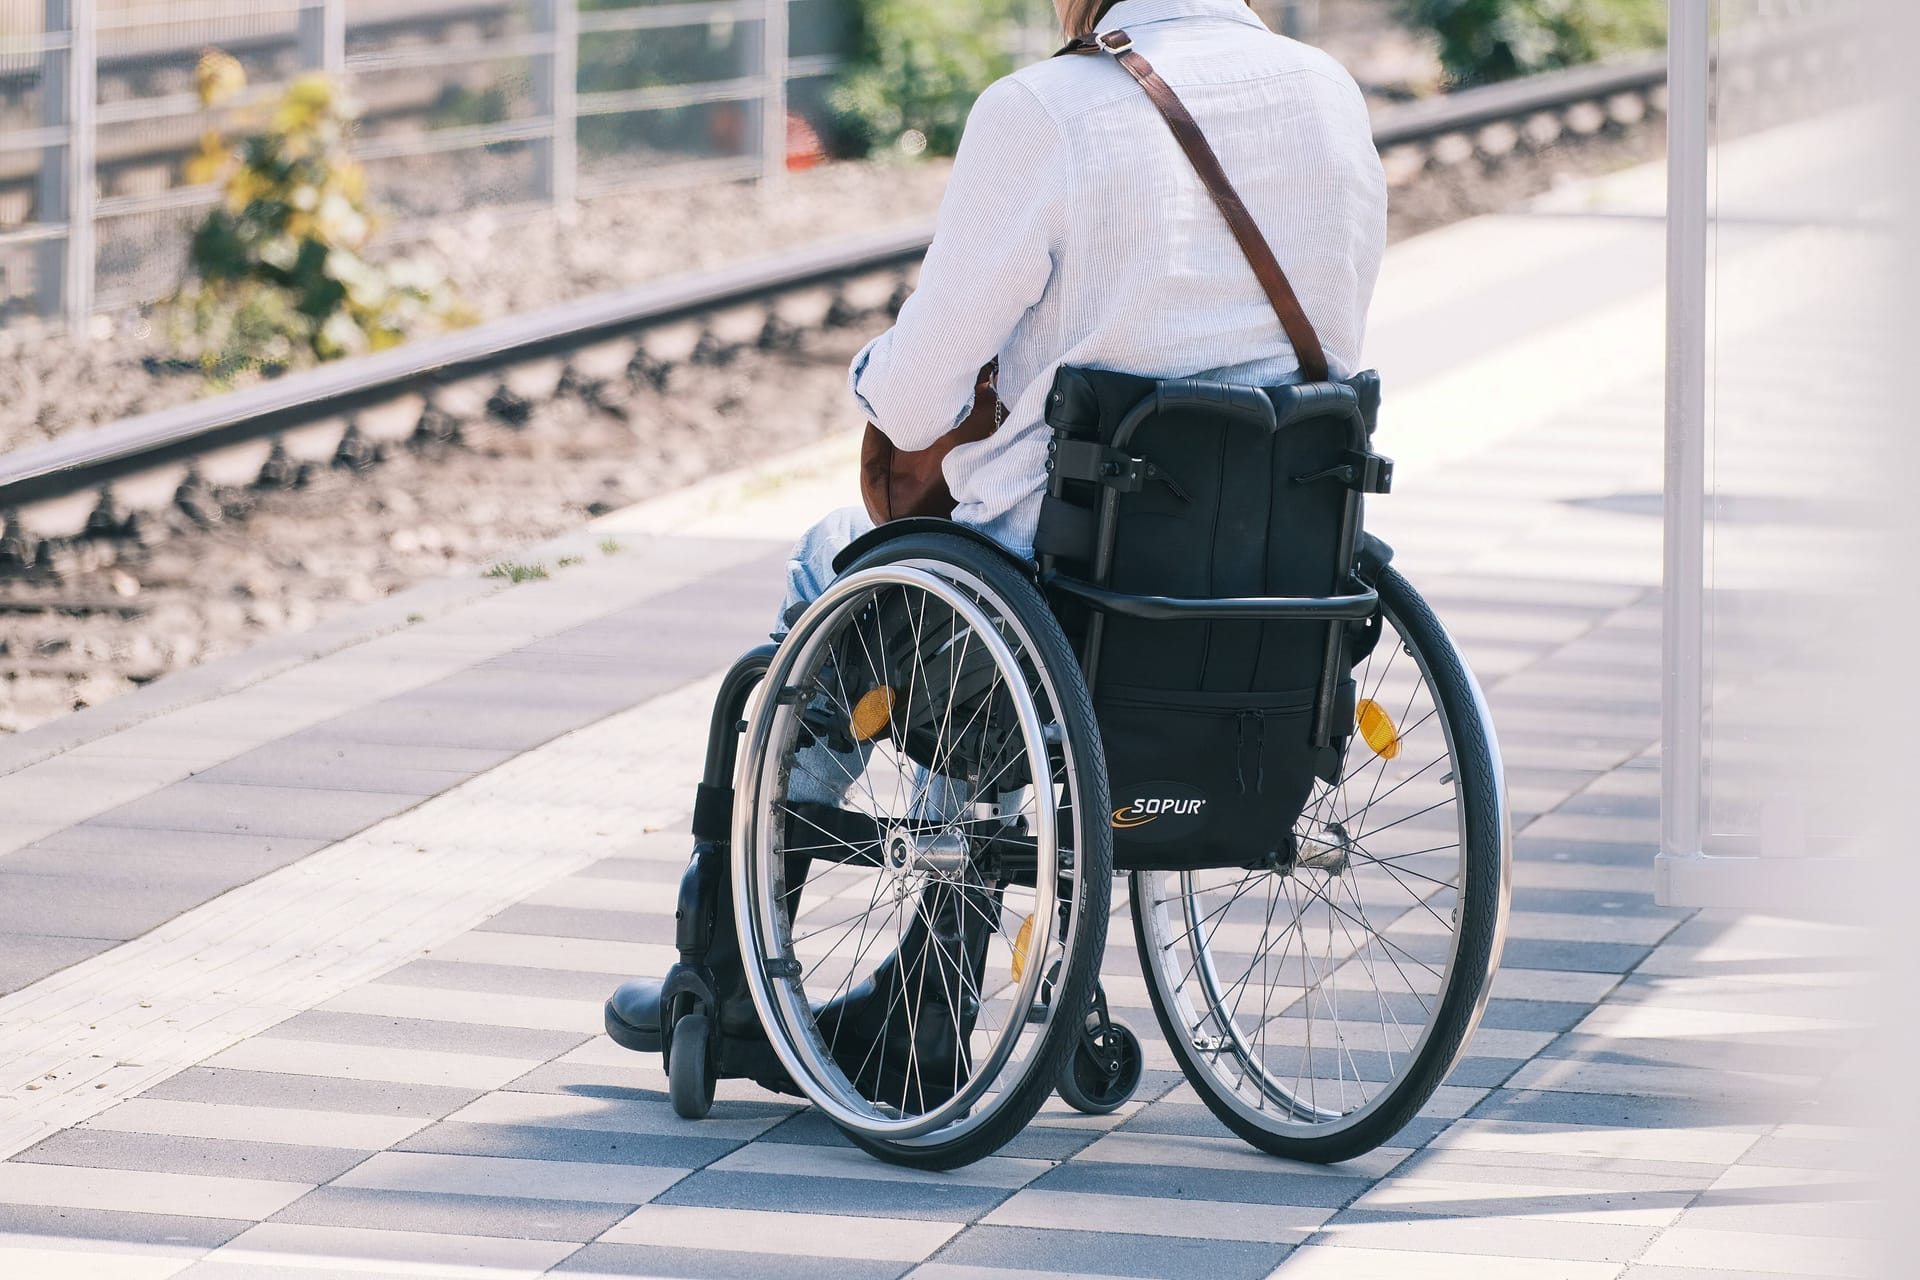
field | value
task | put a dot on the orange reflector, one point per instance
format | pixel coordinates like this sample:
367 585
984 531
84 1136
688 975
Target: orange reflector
871 713
1376 726
1021 942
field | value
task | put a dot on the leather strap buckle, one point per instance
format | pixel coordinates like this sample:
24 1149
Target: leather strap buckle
1115 42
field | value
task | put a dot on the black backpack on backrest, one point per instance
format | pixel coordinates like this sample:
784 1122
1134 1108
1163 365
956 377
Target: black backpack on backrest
1215 728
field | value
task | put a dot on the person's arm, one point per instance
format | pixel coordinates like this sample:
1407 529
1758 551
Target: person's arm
991 258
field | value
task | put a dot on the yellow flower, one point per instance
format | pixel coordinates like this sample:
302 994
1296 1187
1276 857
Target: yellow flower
207 163
307 102
218 77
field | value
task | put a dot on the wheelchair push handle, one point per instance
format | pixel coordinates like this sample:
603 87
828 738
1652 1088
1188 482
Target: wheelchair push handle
1355 607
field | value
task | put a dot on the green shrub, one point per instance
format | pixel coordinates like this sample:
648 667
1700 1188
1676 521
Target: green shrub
1486 40
916 70
278 275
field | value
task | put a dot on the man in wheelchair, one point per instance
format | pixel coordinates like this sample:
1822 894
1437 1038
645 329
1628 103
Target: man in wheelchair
1148 635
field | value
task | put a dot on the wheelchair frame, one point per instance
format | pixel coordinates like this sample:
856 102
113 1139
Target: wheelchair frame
707 939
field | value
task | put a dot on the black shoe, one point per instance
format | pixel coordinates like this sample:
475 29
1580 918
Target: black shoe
633 1015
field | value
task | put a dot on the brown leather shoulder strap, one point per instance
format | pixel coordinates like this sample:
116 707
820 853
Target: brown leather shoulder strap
1186 131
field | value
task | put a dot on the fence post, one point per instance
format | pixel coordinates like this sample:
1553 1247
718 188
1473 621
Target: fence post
64 273
773 102
323 36
556 87
75 173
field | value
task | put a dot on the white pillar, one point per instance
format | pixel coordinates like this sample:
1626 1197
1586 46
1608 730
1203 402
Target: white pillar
1689 86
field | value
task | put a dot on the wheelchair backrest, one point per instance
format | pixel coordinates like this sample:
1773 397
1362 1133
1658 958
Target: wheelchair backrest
1182 490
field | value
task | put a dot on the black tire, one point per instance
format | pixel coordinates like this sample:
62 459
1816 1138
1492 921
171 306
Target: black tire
1480 901
1002 1114
1097 1088
690 1074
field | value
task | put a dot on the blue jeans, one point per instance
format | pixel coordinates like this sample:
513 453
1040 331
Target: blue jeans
810 567
820 774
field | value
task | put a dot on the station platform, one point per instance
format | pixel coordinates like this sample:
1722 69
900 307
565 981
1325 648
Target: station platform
304 951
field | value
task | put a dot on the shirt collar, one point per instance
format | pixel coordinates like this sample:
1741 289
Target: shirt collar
1138 13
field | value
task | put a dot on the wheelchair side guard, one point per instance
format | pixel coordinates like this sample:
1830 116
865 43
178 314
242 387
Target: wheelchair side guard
879 535
1375 555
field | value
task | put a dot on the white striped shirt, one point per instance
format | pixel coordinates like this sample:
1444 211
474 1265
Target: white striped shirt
1074 231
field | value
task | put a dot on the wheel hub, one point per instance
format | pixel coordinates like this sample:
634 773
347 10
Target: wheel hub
940 853
1327 850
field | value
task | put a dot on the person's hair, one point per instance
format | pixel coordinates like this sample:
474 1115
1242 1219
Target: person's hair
1083 16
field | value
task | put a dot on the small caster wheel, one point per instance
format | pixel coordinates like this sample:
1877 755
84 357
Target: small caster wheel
1103 1070
690 1077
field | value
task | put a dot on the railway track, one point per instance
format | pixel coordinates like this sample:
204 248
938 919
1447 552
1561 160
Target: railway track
96 483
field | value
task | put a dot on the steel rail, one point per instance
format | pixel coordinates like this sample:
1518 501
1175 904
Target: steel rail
1470 109
81 460
88 459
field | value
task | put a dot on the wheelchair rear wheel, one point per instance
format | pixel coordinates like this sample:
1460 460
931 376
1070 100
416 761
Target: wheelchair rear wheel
1316 1002
922 866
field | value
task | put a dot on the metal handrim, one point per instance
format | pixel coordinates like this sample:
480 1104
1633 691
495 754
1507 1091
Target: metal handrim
782 1002
1277 1101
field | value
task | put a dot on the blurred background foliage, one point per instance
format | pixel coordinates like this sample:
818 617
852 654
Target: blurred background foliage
1482 41
917 67
278 272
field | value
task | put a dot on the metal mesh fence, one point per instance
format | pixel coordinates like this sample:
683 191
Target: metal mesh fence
464 104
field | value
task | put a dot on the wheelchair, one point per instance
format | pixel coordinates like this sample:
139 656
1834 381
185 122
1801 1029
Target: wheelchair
1210 680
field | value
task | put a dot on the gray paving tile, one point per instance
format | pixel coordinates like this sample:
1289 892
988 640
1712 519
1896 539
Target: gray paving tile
455 975
570 922
1613 806
1577 957
231 1087
99 836
420 1033
271 811
1533 1015
81 906
1421 1130
293 762
25 958
1483 1073
1637 1111
1035 1142
127 869
454 725
452 1214
1793 1053
216 1157
1617 853
1111 1253
652 1261
861 1197
536 1142
1636 903
486 693
118 1226
541 662
1233 1186
585 1080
